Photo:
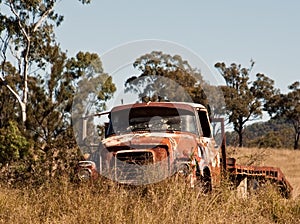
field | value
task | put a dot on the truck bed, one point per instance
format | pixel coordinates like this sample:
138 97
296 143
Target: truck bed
261 174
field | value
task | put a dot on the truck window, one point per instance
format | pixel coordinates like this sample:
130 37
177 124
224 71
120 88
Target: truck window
205 126
154 119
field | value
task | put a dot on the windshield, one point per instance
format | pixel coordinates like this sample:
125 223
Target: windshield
152 119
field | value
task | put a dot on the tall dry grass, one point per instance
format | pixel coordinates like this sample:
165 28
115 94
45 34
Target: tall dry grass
170 201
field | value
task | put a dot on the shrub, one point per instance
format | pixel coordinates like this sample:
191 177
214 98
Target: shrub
13 145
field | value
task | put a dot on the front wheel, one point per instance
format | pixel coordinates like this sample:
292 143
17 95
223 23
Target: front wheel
204 181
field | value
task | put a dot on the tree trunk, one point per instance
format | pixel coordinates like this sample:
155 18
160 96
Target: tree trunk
25 81
240 133
296 125
23 109
22 104
296 144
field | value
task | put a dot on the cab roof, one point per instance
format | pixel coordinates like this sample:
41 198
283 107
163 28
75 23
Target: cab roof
178 105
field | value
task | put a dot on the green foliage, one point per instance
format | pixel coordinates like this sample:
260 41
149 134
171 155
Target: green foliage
38 77
244 99
22 163
94 86
51 97
94 89
287 106
270 140
166 78
13 145
274 133
43 80
27 40
85 1
8 103
27 34
293 110
28 29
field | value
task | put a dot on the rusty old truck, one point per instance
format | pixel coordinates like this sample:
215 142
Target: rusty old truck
148 142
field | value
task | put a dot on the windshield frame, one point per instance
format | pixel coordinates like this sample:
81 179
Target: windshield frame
152 119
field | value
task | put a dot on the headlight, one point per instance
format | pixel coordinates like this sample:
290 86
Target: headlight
84 174
183 169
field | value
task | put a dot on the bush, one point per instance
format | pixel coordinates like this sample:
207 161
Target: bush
13 145
23 162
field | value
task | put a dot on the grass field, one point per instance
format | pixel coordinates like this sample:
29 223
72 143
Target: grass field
168 202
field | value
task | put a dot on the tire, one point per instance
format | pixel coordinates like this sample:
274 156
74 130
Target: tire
253 185
205 181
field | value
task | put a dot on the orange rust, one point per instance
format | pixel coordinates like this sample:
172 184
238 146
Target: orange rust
261 172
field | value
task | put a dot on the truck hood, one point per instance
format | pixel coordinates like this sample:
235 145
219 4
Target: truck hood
176 144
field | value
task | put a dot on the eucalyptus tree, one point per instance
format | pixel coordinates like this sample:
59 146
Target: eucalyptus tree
164 77
26 37
287 106
52 97
244 98
39 76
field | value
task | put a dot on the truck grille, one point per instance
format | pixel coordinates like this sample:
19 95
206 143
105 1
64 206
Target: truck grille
138 157
132 166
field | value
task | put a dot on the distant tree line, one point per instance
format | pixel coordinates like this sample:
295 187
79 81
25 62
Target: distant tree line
273 133
246 100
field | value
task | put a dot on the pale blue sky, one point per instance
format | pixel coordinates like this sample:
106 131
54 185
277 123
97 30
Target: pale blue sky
267 31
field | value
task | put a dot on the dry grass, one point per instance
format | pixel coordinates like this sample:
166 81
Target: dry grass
167 202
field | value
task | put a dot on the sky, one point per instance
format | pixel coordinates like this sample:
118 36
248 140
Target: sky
233 31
